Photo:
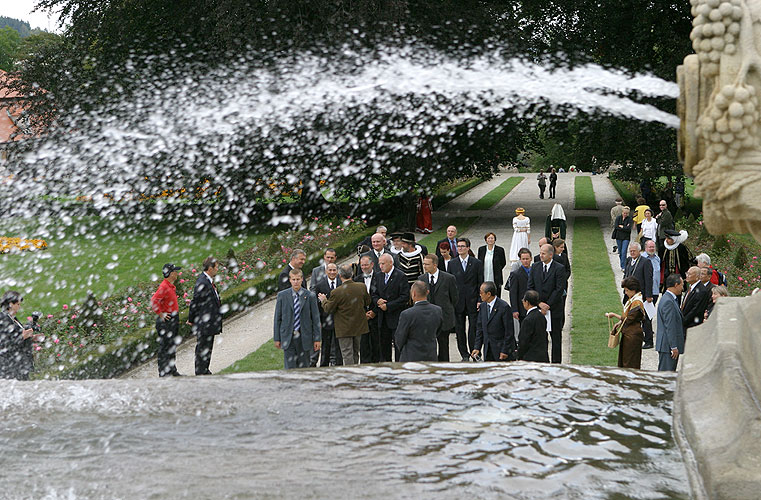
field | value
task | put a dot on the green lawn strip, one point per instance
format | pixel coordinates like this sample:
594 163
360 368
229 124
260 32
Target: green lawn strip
267 357
495 195
585 194
449 193
594 293
462 224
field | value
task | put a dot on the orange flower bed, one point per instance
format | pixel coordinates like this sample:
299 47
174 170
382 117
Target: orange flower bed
9 244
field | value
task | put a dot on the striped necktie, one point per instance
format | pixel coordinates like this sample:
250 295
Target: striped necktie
296 312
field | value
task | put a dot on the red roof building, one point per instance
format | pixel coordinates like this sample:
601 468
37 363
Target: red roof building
11 120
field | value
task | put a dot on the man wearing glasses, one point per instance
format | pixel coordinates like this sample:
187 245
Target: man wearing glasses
665 221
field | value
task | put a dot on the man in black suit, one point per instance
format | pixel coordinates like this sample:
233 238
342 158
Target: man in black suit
415 336
443 293
547 278
469 273
542 241
328 257
517 283
379 248
638 266
205 316
392 295
298 259
450 240
494 328
532 339
695 302
369 344
330 354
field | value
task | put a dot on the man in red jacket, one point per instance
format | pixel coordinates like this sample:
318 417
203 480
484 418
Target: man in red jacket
164 304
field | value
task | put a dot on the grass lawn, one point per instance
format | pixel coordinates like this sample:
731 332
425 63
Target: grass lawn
585 195
453 190
629 190
105 255
462 224
495 195
594 293
267 357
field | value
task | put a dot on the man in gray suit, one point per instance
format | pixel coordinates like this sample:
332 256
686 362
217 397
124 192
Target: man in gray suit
670 333
418 327
443 292
297 323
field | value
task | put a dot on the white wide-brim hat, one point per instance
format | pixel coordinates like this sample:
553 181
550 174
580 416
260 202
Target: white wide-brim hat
677 240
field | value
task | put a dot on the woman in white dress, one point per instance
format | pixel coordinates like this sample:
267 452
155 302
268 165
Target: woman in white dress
649 227
521 234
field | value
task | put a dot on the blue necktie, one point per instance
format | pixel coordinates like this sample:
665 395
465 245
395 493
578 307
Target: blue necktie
296 312
385 282
464 265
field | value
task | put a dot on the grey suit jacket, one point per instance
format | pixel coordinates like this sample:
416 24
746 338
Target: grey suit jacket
417 330
310 319
670 331
445 295
317 274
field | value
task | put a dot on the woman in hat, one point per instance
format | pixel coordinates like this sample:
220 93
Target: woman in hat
676 257
555 226
521 234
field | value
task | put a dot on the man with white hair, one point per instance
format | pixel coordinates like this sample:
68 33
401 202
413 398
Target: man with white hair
704 262
641 269
378 243
651 254
695 301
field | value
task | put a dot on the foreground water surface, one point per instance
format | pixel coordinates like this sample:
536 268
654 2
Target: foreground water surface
387 431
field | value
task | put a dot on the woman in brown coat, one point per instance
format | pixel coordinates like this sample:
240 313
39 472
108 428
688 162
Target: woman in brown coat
632 336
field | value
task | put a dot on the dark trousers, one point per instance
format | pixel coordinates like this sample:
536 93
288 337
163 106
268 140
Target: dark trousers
204 346
295 356
647 325
369 344
552 190
666 363
329 348
465 341
386 341
541 191
168 332
443 340
557 338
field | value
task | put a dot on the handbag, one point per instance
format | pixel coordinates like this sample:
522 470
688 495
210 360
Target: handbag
615 333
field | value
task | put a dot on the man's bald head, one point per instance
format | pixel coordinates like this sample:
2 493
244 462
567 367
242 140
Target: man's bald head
378 241
386 262
546 252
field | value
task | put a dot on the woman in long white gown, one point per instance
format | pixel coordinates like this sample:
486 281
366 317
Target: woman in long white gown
521 234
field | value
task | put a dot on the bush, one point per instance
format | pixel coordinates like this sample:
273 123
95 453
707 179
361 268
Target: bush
721 245
741 258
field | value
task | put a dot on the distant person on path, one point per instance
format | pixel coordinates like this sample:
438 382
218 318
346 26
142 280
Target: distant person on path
392 294
542 183
410 259
330 353
622 233
617 210
555 225
443 292
547 278
469 273
494 327
13 337
164 304
639 213
419 327
348 304
532 339
369 344
378 243
716 292
679 192
645 189
695 301
493 258
297 323
450 240
649 228
665 222
328 257
518 284
298 259
655 262
670 334
424 219
632 336
676 257
553 182
521 234
446 256
205 315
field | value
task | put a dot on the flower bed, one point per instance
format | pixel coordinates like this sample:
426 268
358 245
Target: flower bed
19 244
103 338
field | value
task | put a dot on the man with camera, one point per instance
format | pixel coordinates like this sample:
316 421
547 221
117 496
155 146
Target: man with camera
164 304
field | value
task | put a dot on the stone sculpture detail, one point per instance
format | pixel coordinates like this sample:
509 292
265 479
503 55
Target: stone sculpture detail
720 139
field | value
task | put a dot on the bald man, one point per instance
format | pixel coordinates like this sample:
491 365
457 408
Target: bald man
450 240
391 295
378 244
548 279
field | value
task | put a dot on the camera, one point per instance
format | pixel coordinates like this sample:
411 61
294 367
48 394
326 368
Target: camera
34 324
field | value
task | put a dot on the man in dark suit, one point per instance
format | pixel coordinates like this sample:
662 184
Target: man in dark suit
415 336
369 344
695 302
469 273
517 283
639 267
542 241
205 316
298 259
670 334
547 277
328 257
297 323
532 339
392 295
443 293
450 240
330 353
705 279
494 327
379 248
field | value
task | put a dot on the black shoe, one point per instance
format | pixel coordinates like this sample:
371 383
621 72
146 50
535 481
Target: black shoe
647 346
207 372
465 360
175 374
615 248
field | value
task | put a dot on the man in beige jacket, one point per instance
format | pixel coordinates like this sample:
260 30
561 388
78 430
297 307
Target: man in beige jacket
348 303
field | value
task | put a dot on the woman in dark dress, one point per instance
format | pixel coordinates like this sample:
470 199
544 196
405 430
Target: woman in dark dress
632 336
14 360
